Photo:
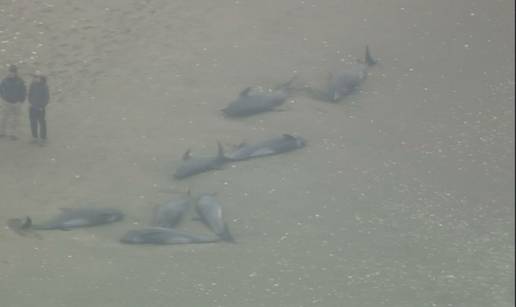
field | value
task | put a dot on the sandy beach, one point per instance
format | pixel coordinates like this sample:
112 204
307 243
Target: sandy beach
403 196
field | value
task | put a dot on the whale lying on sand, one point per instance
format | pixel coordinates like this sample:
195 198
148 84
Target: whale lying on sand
344 82
210 213
191 166
163 236
80 217
273 146
248 104
169 214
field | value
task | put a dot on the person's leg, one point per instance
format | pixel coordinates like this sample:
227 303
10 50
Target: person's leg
4 119
42 125
33 122
15 118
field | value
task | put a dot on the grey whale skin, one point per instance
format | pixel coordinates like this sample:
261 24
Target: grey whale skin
210 214
344 82
248 104
273 146
81 217
163 236
191 166
170 213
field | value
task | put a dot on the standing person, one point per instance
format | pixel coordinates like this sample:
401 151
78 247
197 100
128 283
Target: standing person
13 92
38 98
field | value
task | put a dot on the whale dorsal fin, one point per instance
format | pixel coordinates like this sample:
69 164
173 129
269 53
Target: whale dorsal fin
245 92
187 155
27 223
287 85
369 60
220 150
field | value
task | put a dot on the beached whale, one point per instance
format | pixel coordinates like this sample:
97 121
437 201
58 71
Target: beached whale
163 236
343 83
276 145
210 213
80 217
169 214
194 165
249 103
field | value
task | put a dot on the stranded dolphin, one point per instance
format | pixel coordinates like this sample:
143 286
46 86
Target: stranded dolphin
162 236
80 217
170 213
248 104
272 146
191 166
345 82
210 213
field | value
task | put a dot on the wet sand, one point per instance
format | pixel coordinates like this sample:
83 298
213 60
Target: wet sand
403 196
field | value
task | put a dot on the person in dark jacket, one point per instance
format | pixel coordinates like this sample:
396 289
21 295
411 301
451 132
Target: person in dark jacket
13 92
38 98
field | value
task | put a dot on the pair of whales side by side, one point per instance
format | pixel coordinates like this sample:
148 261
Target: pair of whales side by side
272 146
168 215
248 104
345 82
195 165
190 166
68 219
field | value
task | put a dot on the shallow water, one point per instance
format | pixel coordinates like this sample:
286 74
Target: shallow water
403 196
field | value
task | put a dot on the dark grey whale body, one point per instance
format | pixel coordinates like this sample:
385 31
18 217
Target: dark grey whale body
163 236
248 104
80 217
169 214
191 166
210 213
276 145
344 82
